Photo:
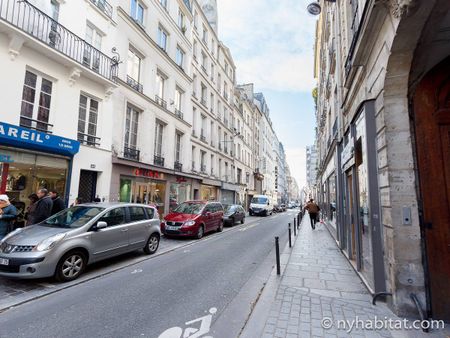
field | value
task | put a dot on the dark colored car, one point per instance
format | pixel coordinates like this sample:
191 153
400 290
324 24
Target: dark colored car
233 213
193 219
283 207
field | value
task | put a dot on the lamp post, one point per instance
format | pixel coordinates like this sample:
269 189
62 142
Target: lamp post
314 8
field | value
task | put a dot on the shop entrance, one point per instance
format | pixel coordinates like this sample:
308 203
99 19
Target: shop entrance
432 125
152 193
87 188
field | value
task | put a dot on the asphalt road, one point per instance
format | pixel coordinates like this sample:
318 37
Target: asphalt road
164 292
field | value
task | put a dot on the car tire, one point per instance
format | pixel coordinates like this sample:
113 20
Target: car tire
232 222
220 227
200 232
250 213
70 266
243 220
152 244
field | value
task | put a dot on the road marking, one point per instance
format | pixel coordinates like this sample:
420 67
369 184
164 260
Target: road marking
192 332
136 271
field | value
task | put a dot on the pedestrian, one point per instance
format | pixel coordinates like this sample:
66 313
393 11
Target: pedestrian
313 210
31 209
77 201
8 214
43 206
58 203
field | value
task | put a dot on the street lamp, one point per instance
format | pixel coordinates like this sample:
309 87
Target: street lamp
314 8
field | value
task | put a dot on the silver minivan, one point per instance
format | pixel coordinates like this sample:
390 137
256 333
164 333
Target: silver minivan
62 245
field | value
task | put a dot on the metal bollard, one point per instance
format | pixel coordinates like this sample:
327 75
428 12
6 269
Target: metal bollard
299 219
277 253
290 241
295 229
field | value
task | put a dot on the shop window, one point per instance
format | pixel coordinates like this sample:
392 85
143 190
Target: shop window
179 193
125 190
36 99
87 121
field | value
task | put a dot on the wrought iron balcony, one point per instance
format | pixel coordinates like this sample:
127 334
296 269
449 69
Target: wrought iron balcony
178 166
104 6
160 102
131 153
38 125
34 22
179 114
134 84
89 140
158 160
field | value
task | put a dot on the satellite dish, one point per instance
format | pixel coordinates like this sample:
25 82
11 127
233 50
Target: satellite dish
314 8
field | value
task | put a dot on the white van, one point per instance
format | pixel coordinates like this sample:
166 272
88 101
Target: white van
261 205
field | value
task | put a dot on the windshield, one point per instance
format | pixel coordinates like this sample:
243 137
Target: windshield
229 208
189 208
74 217
259 200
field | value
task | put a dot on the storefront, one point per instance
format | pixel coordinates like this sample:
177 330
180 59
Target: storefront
328 195
180 191
362 228
30 160
209 190
228 193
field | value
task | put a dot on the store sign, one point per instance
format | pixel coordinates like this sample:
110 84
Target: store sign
31 139
148 173
6 158
181 180
347 155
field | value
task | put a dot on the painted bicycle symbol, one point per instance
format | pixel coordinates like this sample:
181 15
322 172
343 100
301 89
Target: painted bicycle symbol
192 332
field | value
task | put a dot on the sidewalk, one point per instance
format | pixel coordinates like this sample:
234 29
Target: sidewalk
317 283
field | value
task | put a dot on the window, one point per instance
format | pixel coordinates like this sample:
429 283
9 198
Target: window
212 71
202 160
131 127
137 11
195 19
204 62
91 57
194 49
114 217
35 110
181 20
151 213
178 99
204 93
137 214
163 3
133 65
211 102
205 35
162 38
180 57
87 120
194 85
159 129
55 9
178 137
160 84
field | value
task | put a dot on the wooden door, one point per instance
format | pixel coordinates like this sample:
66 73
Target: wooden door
432 124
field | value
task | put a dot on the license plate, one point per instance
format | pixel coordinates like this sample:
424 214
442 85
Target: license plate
4 261
169 227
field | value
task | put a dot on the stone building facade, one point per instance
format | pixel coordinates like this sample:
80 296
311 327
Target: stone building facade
383 144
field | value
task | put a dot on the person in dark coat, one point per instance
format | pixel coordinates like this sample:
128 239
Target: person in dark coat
58 203
29 215
8 214
43 207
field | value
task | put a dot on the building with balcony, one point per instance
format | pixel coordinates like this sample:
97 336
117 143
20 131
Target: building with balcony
382 141
311 165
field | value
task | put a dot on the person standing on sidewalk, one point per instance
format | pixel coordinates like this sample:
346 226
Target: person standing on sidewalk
43 207
58 203
8 214
313 210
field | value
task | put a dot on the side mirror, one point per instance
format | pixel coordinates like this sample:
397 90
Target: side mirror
100 225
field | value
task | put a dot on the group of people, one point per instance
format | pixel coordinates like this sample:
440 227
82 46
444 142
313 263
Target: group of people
43 204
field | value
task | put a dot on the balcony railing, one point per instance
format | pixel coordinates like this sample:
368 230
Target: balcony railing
134 84
203 169
34 22
160 102
104 6
131 153
179 114
202 137
38 125
203 102
178 166
158 160
89 140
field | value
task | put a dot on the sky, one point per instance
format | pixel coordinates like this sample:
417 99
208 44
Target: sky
272 44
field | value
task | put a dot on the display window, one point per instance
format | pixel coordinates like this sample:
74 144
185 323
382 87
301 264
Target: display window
208 193
179 193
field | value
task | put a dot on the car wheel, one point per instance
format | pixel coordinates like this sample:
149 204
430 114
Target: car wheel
152 244
200 232
70 266
250 213
232 221
243 220
220 228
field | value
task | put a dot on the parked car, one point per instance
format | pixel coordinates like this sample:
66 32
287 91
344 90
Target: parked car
233 213
261 205
193 219
64 244
277 208
283 207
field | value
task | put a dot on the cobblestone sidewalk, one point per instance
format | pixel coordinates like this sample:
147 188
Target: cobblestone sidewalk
319 288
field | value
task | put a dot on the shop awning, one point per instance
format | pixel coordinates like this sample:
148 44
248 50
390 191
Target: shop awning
25 138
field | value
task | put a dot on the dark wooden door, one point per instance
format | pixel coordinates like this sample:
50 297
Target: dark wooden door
432 124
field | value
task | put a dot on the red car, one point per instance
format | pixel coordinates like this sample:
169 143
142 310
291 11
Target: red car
193 219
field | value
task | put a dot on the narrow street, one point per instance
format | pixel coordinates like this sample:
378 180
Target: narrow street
156 294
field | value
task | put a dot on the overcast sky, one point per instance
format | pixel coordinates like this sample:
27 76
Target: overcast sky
272 43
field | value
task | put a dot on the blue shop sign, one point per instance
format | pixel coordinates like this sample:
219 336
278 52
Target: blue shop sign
20 137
